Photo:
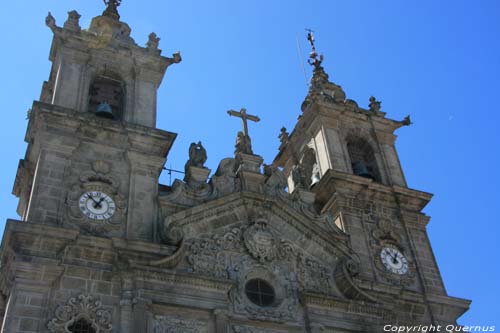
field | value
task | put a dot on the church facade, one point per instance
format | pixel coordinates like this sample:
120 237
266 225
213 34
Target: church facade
327 238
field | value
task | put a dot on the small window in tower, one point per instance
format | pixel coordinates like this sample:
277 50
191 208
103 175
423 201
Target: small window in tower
260 292
106 97
81 326
363 160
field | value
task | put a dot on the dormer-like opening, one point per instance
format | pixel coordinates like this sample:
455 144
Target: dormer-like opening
363 160
107 96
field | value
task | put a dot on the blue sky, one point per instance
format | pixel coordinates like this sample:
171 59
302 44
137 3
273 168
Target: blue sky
438 61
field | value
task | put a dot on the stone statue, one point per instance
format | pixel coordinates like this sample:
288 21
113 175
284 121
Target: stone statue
73 21
197 156
243 144
50 21
298 176
112 9
153 42
374 104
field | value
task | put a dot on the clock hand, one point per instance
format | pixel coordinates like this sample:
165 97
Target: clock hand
394 257
97 204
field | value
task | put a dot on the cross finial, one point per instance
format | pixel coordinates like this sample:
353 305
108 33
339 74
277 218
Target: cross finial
112 8
310 38
314 60
244 117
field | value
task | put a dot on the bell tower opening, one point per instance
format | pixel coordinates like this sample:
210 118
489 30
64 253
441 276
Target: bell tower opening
311 168
106 96
363 160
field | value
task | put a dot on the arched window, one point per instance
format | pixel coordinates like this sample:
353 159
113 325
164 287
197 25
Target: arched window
107 96
363 160
81 326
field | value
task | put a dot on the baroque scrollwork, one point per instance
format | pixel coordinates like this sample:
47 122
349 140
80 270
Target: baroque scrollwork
82 307
385 232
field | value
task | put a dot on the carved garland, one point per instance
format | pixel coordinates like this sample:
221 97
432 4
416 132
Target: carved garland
81 307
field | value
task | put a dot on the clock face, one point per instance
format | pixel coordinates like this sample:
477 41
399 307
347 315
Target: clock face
97 205
394 260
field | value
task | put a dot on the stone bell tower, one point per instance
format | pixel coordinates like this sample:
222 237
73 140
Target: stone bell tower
343 157
93 131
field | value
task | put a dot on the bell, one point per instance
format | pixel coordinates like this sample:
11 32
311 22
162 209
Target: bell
314 179
104 110
360 169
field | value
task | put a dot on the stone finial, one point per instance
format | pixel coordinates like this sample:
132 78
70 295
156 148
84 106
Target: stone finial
153 42
243 141
111 10
374 104
283 136
176 57
406 121
73 21
50 21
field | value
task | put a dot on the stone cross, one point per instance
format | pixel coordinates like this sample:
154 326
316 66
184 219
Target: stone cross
244 116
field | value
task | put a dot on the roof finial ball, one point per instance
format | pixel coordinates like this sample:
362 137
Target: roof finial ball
112 9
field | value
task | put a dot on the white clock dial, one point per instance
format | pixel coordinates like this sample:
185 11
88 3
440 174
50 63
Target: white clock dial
394 260
97 205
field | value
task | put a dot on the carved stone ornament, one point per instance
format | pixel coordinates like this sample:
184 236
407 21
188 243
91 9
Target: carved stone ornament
249 329
153 42
374 104
386 232
260 241
171 324
82 307
286 306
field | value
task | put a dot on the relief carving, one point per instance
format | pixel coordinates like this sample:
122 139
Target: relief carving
315 277
171 324
249 329
261 242
82 307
